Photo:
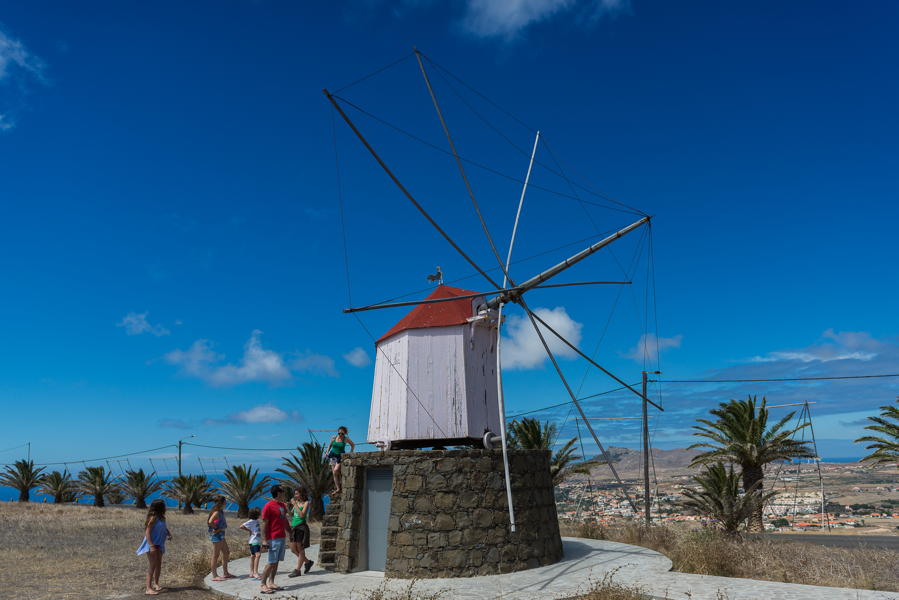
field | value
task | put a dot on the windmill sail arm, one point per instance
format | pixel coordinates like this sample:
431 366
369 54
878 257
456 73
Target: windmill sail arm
568 262
593 362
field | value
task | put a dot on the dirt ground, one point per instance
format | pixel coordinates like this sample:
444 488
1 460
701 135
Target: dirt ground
69 552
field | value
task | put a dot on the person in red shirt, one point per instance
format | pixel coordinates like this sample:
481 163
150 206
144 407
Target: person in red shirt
274 532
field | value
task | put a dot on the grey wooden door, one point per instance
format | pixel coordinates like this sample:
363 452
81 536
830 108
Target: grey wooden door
378 492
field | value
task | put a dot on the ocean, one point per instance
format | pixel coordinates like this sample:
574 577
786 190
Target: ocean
8 494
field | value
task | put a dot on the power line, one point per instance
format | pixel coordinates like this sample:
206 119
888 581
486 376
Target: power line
87 460
774 379
247 449
14 447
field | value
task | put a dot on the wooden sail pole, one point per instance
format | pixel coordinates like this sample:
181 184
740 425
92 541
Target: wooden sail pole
594 363
452 146
403 189
476 295
577 404
568 262
500 399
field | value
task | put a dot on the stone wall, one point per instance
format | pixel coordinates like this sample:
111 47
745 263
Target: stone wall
448 515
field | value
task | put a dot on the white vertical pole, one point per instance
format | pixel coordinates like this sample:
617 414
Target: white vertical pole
499 337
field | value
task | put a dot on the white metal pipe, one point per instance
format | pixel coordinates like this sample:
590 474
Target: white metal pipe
568 262
499 330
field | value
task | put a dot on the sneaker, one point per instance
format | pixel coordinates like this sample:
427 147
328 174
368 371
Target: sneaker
308 565
295 573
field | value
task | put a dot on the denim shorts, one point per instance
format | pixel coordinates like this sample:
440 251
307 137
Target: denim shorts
276 550
216 537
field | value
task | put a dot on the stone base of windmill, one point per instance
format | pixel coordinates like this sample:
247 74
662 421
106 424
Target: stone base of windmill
447 514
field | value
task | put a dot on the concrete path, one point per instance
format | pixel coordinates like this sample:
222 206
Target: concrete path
585 561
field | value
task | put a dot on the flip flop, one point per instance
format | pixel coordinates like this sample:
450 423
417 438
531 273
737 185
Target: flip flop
266 591
218 578
230 576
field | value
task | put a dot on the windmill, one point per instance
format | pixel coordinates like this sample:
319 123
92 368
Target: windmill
438 372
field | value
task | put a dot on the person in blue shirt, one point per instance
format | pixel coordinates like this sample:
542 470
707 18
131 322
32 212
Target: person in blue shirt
156 532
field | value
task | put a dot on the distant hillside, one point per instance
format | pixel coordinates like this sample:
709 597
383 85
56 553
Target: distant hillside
629 459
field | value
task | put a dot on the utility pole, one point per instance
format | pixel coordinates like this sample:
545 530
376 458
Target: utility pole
647 502
29 450
180 444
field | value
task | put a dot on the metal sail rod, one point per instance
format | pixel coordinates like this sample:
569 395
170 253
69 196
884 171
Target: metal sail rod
577 404
452 146
476 295
568 262
403 189
594 363
500 396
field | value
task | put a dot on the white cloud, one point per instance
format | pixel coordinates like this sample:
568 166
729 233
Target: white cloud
14 55
257 364
508 19
137 323
836 345
648 346
263 413
316 364
521 347
357 357
17 65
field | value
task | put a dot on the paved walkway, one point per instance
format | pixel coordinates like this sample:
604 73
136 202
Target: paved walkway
585 561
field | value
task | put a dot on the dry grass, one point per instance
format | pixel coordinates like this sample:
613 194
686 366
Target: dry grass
708 552
76 552
407 593
607 589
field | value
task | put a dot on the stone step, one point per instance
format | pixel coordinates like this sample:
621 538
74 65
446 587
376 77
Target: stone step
327 560
329 532
328 545
330 520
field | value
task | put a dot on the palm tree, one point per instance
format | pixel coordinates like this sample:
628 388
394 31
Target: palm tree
309 469
116 495
741 436
61 486
242 487
138 485
886 447
190 491
23 476
97 482
530 434
719 497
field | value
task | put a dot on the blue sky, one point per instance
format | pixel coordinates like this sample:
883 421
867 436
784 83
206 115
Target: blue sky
171 250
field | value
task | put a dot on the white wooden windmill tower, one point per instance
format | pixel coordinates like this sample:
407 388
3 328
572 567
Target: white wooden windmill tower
435 374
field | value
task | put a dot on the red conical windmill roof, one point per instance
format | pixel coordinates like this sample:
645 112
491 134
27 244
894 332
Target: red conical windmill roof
439 314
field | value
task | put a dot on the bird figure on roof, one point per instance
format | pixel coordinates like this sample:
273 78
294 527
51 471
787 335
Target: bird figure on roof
438 277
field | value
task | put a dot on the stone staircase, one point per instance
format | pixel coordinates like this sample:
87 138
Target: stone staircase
327 552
